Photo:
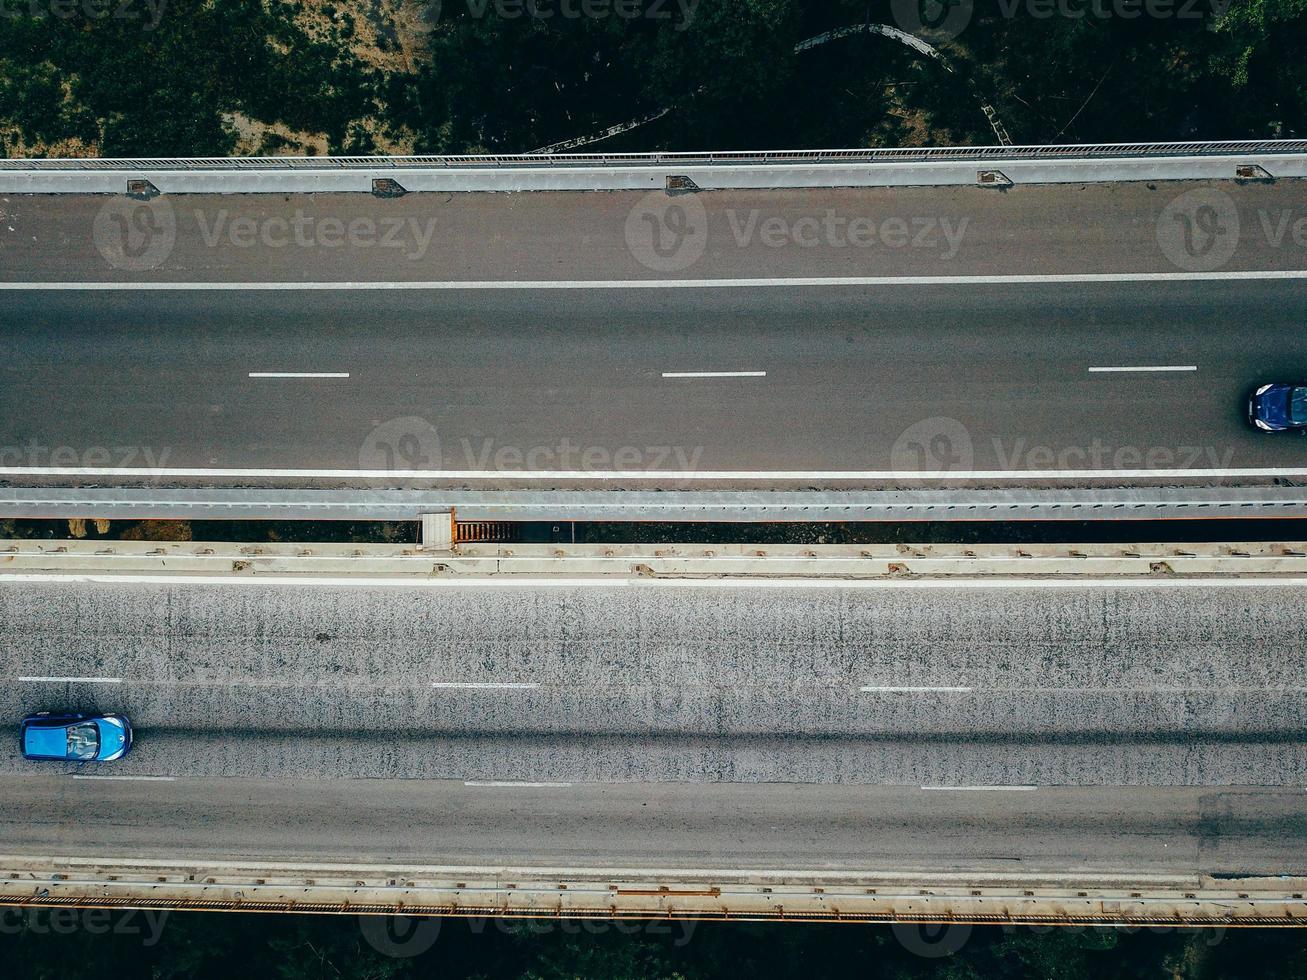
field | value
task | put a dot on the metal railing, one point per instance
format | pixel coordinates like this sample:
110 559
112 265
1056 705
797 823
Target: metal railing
889 154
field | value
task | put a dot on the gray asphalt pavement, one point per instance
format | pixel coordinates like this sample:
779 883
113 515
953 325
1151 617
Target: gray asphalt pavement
611 235
865 379
1074 686
668 826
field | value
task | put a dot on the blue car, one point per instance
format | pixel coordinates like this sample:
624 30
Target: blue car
1279 408
75 738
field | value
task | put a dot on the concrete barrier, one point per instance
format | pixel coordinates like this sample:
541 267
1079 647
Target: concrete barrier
113 177
580 893
607 562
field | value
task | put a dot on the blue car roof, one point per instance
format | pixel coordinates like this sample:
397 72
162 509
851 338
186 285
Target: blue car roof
49 742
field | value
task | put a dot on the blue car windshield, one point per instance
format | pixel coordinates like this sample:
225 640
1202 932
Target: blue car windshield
1298 405
83 741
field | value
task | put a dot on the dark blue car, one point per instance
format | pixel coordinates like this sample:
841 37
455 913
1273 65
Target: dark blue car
1278 408
75 737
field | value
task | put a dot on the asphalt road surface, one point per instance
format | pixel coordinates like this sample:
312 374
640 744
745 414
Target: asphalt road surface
901 231
1021 686
1131 831
876 380
742 382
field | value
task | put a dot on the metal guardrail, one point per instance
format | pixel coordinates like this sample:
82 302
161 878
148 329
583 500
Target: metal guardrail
887 154
961 504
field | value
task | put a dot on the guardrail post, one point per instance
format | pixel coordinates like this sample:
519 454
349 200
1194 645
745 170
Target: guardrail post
387 187
141 189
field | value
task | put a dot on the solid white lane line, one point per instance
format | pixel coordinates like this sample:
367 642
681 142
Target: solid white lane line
299 374
514 784
588 284
984 789
546 582
71 680
714 374
914 690
134 779
1143 369
482 686
680 476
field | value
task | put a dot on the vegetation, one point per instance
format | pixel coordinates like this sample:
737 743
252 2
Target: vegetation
203 946
200 77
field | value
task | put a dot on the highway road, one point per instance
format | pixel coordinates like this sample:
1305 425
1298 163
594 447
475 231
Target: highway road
1132 831
617 377
1081 685
875 383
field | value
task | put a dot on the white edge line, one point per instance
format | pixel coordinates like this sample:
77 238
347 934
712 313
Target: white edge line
915 690
482 686
677 476
71 680
141 779
513 783
589 284
546 582
983 789
714 374
299 374
1143 368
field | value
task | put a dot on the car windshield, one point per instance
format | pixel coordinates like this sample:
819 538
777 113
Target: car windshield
1298 405
83 741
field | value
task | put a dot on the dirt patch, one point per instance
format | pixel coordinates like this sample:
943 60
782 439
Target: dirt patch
389 35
